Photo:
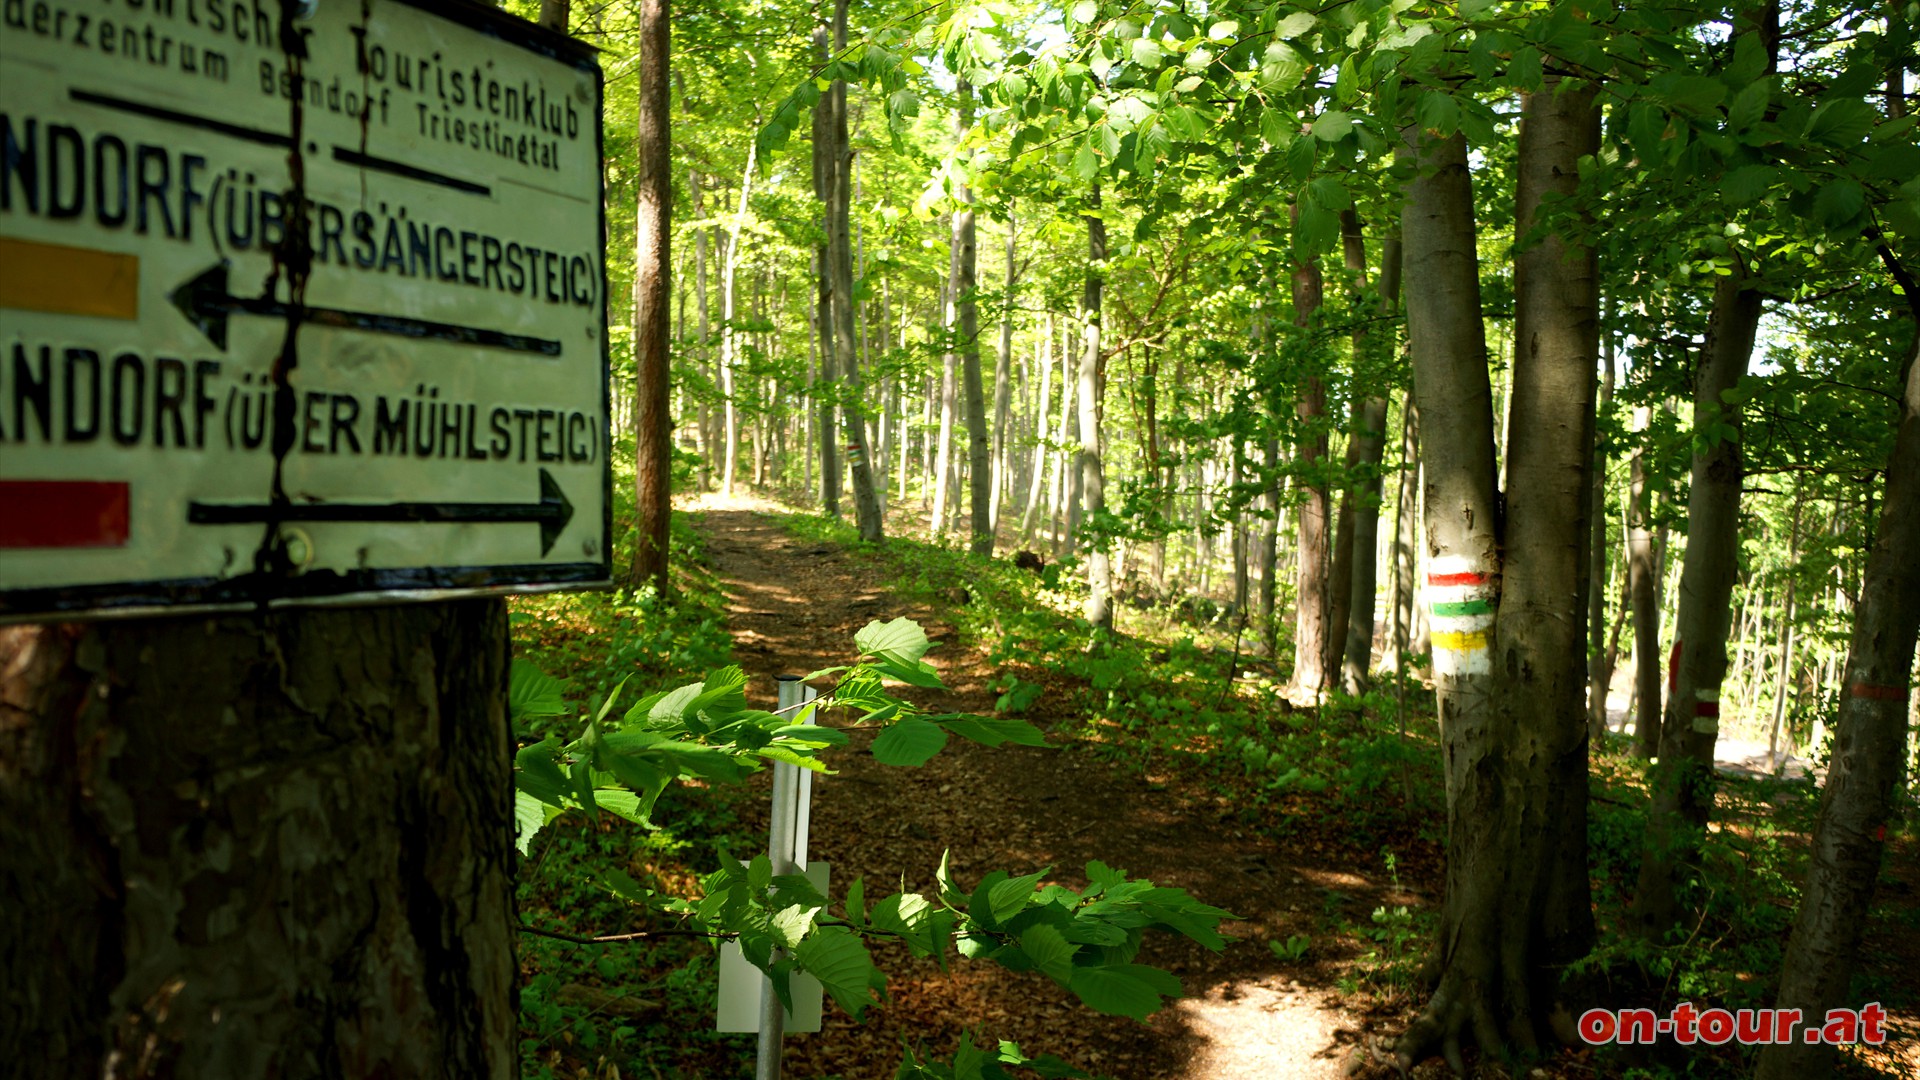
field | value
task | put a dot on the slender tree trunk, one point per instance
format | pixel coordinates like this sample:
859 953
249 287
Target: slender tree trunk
652 300
1683 781
1099 609
1507 593
1868 760
1002 391
1042 410
729 337
1786 636
1599 669
1271 516
709 445
259 846
946 490
824 163
965 284
1643 578
1370 439
1312 593
866 498
1406 524
1067 463
1242 546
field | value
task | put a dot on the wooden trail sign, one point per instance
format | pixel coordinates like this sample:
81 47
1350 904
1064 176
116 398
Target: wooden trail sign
299 304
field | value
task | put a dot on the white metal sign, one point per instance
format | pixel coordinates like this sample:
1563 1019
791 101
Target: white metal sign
298 304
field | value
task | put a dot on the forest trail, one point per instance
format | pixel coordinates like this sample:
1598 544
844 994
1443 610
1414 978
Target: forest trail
793 607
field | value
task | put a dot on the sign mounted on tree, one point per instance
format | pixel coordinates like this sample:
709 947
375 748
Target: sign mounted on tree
299 304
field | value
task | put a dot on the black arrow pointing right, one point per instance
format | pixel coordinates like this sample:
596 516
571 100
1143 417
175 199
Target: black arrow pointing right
553 511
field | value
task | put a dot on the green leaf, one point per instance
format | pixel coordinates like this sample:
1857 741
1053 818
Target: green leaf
1438 112
995 731
1294 25
950 890
1750 104
1006 898
917 673
1049 952
839 959
538 773
857 902
532 692
1839 204
1223 30
1086 11
1146 52
1133 990
901 640
529 815
901 913
1841 122
1332 125
812 733
620 802
911 742
1748 183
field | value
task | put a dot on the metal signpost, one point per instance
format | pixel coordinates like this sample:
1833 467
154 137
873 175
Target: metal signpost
747 1000
299 304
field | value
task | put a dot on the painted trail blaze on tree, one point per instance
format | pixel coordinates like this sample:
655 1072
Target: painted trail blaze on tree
1464 601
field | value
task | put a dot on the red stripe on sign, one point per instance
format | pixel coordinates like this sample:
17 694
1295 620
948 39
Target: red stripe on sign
63 513
1878 693
1438 580
1706 708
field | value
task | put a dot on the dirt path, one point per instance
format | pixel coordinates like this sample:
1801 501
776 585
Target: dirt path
793 608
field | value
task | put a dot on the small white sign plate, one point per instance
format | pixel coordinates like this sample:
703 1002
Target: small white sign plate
297 309
742 984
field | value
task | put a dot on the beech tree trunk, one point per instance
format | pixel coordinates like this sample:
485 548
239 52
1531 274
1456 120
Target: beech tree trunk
1099 609
1599 664
1857 804
965 282
1002 396
652 302
1507 591
1643 584
1683 781
711 443
866 498
1366 447
248 847
1313 598
825 156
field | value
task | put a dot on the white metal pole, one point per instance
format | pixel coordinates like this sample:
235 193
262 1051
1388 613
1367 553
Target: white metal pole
780 851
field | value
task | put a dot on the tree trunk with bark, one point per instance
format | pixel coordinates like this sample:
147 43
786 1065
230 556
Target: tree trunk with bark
825 157
1002 395
866 498
1507 591
652 295
1313 599
1366 446
1599 664
1683 781
966 280
1643 584
1099 609
1858 802
246 847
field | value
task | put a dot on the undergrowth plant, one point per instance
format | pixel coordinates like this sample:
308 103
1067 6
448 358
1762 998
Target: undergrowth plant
1086 940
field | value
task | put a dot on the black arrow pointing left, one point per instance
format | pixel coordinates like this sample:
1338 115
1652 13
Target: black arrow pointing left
206 303
553 511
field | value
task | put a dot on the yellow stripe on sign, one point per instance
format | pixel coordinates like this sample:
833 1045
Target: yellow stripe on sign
1464 641
62 280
